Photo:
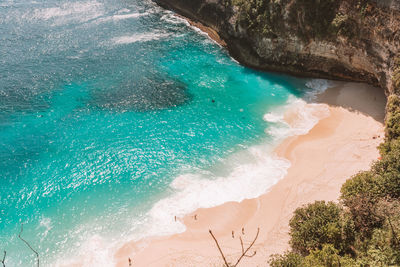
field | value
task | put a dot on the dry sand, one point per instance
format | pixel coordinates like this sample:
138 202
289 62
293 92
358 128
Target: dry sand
338 147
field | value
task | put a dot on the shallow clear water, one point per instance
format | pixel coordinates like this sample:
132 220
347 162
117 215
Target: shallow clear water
108 108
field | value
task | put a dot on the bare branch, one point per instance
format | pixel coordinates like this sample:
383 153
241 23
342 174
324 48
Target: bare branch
241 243
219 248
250 256
34 251
393 231
4 259
245 252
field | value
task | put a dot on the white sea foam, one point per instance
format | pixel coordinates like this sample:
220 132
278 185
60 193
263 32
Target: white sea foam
254 171
46 224
118 17
128 16
79 11
273 117
144 37
199 31
297 117
318 86
172 18
93 251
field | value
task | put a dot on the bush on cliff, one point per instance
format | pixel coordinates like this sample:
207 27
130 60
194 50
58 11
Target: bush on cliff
326 256
396 75
317 224
288 259
313 17
260 16
392 130
308 18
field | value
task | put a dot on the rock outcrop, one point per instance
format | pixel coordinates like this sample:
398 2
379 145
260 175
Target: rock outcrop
337 39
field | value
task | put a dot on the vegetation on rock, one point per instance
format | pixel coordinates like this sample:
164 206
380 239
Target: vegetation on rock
396 75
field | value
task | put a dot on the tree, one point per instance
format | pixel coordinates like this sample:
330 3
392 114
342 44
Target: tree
316 224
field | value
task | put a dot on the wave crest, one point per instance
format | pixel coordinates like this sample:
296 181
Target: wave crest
145 37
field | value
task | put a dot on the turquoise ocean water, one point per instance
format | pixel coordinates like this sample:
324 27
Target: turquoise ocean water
115 116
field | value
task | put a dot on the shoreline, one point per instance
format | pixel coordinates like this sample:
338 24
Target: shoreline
336 148
211 33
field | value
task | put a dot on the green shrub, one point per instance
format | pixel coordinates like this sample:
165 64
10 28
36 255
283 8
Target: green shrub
328 256
260 16
289 259
383 248
396 76
316 224
343 25
388 171
364 215
363 183
392 129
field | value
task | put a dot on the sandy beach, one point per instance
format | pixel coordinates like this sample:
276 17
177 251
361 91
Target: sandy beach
338 147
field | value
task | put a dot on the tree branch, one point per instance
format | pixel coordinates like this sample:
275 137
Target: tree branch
245 252
219 248
393 231
4 259
34 251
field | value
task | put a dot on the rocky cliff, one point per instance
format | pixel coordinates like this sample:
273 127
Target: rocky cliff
339 39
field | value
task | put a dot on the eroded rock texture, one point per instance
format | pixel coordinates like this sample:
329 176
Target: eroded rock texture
340 39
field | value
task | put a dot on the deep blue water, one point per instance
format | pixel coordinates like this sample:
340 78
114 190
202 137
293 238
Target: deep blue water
103 104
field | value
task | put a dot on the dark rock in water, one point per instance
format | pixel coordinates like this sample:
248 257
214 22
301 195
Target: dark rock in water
213 101
325 39
145 94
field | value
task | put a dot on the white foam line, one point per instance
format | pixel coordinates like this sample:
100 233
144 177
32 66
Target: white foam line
318 86
195 190
145 37
198 30
69 11
128 16
172 18
297 117
123 17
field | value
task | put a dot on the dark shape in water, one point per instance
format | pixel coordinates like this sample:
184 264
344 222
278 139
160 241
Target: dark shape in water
145 94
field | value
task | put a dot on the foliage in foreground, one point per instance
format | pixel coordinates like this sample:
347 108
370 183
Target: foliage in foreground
364 228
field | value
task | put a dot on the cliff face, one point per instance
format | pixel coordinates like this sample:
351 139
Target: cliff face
340 39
